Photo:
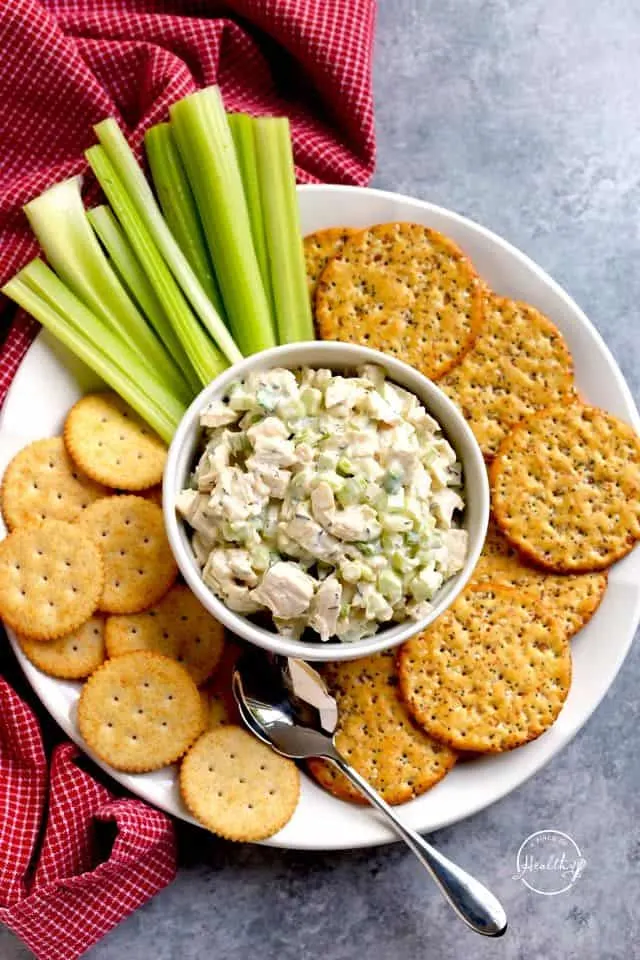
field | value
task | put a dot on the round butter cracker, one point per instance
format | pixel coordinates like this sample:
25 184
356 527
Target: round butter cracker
51 579
112 444
491 673
565 488
237 786
138 564
140 712
178 627
43 483
72 657
403 289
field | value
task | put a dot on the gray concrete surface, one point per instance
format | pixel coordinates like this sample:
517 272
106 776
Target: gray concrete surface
523 116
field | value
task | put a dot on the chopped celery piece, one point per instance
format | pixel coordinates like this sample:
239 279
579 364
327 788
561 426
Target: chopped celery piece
202 133
58 220
140 196
242 131
178 206
282 228
129 268
42 294
202 354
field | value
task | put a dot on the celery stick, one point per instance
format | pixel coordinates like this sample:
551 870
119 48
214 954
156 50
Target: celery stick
141 199
202 133
127 265
282 227
43 281
242 131
178 206
83 335
203 356
58 220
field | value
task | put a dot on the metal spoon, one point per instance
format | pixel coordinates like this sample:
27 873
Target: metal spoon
285 703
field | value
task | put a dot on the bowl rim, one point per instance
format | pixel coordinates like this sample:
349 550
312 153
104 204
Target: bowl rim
351 355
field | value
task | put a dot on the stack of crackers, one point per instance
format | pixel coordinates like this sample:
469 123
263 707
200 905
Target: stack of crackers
88 584
493 672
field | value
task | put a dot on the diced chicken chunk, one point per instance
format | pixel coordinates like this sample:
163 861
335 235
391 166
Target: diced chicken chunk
354 523
314 538
218 414
444 502
275 479
286 590
325 608
379 409
456 543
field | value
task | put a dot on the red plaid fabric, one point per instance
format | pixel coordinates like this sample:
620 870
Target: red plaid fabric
67 64
68 900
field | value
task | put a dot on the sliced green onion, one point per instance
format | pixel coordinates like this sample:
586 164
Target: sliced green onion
203 356
178 206
282 228
129 268
204 140
41 293
242 131
141 199
58 219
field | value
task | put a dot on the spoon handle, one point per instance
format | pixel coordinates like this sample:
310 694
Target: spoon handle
473 903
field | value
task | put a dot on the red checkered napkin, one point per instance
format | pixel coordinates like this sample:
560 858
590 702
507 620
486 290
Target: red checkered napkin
67 64
59 898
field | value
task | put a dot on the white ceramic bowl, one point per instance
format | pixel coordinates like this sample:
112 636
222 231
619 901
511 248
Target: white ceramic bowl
335 356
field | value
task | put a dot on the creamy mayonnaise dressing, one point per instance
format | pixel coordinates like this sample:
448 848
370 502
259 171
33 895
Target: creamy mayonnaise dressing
330 501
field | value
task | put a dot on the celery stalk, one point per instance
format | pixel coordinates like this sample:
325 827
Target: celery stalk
129 268
43 281
203 356
58 219
242 131
276 175
202 134
141 199
85 334
178 206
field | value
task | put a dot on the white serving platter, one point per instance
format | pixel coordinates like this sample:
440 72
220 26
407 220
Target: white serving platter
50 380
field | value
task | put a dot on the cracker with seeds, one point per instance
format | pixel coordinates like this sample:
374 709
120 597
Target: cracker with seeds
490 674
112 444
43 483
139 567
377 735
574 597
178 626
72 657
565 488
319 248
51 579
140 712
238 787
519 363
403 289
